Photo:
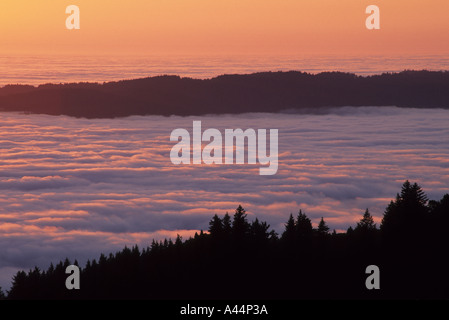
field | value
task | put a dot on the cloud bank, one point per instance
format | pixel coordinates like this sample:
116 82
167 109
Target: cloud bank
77 187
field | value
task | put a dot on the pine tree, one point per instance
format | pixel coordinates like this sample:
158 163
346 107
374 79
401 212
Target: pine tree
407 214
216 226
289 233
240 225
19 288
366 224
178 241
51 269
304 227
154 246
227 227
323 229
259 231
350 231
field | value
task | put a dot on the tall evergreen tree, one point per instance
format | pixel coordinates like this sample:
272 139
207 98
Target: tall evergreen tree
304 227
259 231
407 214
216 226
178 241
289 233
240 225
323 229
19 288
366 224
227 226
350 231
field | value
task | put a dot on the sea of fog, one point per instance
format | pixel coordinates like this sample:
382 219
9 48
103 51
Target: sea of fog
77 187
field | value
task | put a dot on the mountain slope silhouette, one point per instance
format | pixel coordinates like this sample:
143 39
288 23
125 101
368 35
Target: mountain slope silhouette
257 92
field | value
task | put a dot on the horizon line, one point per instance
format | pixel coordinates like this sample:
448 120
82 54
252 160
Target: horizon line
224 75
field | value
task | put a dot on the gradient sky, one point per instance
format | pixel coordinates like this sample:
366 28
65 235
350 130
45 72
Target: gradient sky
224 26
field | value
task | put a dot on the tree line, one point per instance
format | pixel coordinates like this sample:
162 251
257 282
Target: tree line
238 93
239 259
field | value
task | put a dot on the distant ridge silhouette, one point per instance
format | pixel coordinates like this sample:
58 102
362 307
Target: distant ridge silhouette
257 92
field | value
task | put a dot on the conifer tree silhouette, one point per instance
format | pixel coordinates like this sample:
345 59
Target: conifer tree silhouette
407 214
304 227
216 226
289 233
366 224
227 226
240 225
323 229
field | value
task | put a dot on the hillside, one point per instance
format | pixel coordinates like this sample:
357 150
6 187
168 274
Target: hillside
258 92
239 259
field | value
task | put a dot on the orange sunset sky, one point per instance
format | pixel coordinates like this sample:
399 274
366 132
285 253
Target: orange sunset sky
224 26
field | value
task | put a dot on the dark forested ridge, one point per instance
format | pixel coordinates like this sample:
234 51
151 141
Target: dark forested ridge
238 259
258 92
